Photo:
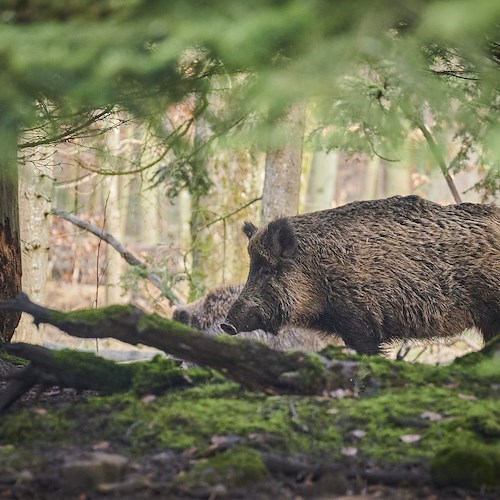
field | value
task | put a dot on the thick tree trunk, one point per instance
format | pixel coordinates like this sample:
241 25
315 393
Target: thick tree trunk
35 195
280 195
10 248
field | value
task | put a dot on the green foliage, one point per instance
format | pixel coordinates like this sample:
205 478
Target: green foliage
371 69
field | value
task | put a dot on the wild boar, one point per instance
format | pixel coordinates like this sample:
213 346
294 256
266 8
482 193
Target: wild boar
375 272
208 313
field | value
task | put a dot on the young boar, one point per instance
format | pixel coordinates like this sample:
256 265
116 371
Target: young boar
208 313
374 272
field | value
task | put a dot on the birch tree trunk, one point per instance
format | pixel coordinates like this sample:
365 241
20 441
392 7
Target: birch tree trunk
10 247
200 240
322 180
397 179
35 200
114 222
371 183
280 195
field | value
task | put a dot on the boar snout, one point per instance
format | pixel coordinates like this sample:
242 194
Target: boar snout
228 328
243 320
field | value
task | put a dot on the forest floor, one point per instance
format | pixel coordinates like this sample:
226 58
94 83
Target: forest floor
417 431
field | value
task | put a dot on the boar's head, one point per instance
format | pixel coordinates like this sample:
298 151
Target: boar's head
266 300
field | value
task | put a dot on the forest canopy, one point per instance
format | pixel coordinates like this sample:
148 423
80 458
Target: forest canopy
366 65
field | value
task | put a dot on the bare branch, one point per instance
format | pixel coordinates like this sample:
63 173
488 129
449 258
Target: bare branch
435 152
439 159
234 212
129 257
67 134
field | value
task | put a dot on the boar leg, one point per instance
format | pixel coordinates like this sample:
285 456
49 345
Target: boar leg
489 329
362 344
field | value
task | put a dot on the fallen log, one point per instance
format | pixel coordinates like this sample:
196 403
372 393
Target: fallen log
252 364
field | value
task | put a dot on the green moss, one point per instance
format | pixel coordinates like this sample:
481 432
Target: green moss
161 374
93 316
14 458
397 412
9 358
157 322
236 467
467 465
103 374
28 427
484 419
310 375
488 369
315 427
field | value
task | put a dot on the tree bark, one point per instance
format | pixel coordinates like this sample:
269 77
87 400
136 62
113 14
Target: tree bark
35 196
10 246
322 181
280 195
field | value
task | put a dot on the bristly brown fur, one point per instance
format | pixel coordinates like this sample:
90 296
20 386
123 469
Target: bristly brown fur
377 271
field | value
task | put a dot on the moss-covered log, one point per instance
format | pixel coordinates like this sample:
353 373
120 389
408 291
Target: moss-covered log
252 364
86 371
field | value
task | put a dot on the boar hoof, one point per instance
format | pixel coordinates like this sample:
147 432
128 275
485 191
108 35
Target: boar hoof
229 329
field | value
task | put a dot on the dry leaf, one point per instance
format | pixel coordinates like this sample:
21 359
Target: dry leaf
101 445
358 433
432 416
467 397
349 451
410 438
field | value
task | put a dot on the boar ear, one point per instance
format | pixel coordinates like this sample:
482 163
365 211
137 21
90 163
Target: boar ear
283 240
249 229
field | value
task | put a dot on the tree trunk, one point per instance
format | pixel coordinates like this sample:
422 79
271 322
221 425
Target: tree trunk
280 195
113 224
371 183
322 180
200 239
10 246
35 196
397 179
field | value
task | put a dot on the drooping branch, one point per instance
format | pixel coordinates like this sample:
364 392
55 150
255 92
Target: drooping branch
435 152
71 132
440 160
253 365
129 257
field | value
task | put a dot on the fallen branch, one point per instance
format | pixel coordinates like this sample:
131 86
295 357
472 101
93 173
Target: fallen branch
128 256
252 364
86 371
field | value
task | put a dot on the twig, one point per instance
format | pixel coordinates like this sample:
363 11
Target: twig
129 257
440 160
67 134
230 214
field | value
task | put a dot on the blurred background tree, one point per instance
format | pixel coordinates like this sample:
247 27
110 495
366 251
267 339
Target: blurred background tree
391 91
